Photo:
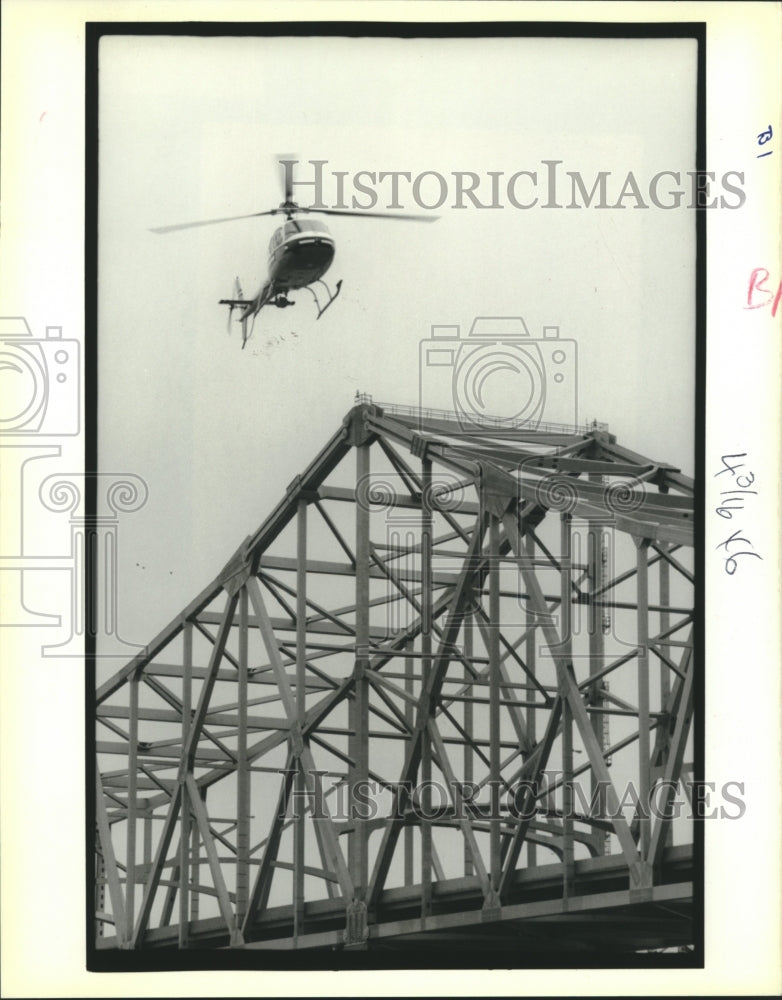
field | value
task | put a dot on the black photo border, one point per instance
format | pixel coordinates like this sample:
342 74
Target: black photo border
98 960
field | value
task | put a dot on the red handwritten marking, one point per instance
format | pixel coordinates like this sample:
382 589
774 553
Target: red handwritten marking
42 117
756 287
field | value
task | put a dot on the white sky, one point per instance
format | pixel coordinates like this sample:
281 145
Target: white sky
189 129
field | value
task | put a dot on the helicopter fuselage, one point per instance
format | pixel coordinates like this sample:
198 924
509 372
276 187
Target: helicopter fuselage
300 253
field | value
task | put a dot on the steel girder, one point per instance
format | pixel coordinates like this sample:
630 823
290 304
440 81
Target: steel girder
443 692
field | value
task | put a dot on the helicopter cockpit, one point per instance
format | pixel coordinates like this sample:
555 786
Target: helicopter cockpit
296 228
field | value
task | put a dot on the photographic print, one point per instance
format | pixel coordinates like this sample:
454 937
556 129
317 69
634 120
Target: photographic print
389 544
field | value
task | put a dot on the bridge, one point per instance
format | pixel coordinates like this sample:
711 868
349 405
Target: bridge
441 699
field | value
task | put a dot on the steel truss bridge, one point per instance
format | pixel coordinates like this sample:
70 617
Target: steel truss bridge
441 698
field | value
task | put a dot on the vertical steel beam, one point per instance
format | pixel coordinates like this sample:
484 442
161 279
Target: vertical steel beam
568 853
672 772
463 822
202 819
426 669
468 729
301 609
301 679
531 663
110 863
566 607
408 710
153 880
242 769
528 797
184 840
147 840
665 621
130 860
358 858
324 859
262 886
195 869
495 866
100 887
322 816
644 756
665 676
595 528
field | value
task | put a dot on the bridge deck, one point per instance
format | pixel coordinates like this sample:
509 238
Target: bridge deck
602 906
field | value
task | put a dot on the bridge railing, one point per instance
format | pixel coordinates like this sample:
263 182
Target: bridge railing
481 420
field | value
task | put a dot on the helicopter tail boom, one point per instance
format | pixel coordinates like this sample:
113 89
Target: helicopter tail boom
250 308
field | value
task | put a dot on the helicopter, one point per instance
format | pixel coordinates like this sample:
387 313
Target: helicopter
301 251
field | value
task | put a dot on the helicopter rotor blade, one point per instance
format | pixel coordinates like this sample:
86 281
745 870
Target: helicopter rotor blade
371 215
211 222
287 174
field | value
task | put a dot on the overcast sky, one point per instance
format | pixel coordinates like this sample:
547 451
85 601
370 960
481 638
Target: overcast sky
189 129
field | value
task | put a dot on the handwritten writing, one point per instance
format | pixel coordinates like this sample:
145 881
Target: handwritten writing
734 500
758 295
763 138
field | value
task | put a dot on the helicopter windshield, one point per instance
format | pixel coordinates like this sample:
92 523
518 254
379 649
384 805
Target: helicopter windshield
294 226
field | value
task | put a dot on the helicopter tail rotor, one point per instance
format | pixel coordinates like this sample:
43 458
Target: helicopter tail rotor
240 297
234 303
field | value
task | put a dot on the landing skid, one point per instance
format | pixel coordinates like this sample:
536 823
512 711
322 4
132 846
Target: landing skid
328 293
279 299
